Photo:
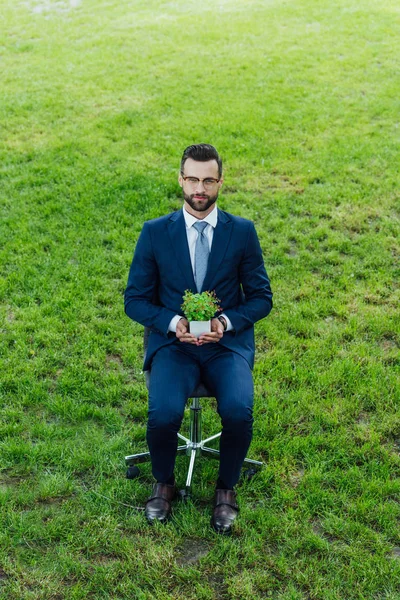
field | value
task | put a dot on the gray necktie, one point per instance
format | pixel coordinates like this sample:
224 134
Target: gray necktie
201 253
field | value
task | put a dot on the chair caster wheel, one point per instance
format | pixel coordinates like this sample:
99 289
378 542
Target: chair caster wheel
132 472
184 496
249 473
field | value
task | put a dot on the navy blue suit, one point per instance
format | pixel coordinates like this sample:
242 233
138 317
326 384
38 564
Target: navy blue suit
160 273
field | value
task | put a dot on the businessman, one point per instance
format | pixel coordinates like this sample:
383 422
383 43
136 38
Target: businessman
199 247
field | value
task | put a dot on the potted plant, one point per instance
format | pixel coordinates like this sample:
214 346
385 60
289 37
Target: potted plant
199 309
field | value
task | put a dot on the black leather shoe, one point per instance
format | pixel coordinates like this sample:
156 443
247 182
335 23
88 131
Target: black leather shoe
225 511
158 506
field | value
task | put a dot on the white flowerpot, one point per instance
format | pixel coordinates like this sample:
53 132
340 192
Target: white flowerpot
198 327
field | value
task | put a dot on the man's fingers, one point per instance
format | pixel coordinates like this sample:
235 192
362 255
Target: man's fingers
214 336
186 337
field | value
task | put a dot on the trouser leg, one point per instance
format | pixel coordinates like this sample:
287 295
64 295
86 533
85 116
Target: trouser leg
174 373
229 377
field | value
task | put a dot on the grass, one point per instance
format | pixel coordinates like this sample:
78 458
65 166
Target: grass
99 100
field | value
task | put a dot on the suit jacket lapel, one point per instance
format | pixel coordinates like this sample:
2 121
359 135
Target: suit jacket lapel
221 238
178 237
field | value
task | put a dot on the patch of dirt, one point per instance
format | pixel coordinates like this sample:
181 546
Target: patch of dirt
217 582
317 528
7 482
3 575
388 345
320 531
363 419
374 299
396 552
295 478
113 358
293 249
192 551
53 500
4 487
396 446
53 379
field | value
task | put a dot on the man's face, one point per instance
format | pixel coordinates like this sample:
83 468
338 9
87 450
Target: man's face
200 195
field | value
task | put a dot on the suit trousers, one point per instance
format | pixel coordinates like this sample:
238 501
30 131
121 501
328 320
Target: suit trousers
176 370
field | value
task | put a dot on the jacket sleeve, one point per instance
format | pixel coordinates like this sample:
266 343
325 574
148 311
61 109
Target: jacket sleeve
142 287
254 280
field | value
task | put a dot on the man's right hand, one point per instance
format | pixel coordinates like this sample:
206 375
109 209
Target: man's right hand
182 333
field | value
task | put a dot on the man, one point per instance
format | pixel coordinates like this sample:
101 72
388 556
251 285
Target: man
199 248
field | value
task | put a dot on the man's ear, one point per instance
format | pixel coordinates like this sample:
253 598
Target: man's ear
180 180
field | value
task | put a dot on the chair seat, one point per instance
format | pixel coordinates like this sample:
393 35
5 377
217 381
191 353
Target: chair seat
200 391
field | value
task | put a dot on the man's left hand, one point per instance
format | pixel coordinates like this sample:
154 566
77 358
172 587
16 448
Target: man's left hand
216 333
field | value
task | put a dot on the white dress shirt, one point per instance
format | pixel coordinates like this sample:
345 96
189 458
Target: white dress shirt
192 235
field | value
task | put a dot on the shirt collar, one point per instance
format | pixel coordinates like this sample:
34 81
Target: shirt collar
211 218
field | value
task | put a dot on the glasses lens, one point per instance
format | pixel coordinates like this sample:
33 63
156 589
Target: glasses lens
209 183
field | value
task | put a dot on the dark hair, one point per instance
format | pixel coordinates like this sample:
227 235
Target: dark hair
202 153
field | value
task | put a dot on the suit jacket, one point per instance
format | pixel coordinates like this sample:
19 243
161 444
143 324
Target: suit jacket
161 271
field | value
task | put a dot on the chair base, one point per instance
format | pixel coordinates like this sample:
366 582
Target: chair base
193 447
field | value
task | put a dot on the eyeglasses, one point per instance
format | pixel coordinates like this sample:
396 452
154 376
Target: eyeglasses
208 182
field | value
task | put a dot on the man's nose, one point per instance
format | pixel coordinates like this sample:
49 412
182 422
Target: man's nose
200 186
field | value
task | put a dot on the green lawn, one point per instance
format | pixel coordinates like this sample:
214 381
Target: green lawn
98 100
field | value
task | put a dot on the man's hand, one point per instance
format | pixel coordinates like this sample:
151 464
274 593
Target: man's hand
217 331
182 333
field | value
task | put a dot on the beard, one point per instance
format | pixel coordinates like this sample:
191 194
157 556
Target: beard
200 205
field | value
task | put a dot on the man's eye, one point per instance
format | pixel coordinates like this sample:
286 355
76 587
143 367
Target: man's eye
193 180
209 181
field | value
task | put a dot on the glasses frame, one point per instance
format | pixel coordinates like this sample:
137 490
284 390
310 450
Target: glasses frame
208 185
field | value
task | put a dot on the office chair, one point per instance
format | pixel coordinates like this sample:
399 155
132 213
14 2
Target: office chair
194 445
